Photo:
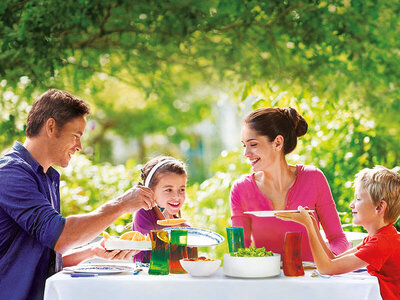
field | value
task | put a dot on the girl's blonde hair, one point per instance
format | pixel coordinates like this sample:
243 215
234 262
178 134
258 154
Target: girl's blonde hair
381 184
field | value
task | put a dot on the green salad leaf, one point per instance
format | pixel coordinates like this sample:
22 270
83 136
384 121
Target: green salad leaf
252 251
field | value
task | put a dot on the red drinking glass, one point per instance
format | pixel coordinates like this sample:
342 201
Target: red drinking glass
292 264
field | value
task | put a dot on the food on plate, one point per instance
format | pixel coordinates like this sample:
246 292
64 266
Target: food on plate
201 258
201 266
134 236
170 222
252 252
106 236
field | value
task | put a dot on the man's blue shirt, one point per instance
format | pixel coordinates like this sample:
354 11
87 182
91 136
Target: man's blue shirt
30 224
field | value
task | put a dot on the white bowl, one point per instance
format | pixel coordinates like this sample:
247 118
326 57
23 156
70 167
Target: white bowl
252 267
200 267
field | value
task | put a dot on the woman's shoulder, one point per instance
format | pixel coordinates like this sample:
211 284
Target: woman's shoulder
244 179
310 170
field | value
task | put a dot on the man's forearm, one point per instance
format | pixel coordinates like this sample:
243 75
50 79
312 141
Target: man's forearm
81 229
74 257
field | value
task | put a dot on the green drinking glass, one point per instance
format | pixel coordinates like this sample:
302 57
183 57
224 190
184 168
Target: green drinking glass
235 238
159 253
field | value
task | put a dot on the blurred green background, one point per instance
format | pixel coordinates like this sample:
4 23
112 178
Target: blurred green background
176 77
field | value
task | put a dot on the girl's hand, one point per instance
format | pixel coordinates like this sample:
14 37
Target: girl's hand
303 217
124 255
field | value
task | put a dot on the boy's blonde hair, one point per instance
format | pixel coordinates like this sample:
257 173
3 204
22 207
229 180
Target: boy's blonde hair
381 184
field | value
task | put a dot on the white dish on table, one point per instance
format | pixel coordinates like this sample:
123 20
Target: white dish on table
271 213
98 269
200 268
252 267
198 237
114 243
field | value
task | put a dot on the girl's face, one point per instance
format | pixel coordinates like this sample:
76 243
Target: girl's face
170 192
363 208
257 148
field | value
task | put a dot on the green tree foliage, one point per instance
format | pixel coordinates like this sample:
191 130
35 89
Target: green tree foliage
169 50
343 43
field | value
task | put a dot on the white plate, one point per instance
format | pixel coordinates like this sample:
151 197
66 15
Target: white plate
112 244
99 269
198 237
271 213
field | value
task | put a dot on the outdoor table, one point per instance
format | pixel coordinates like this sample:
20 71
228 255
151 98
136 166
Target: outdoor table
350 286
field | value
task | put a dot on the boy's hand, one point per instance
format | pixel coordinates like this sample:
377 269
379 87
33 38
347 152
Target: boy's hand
303 217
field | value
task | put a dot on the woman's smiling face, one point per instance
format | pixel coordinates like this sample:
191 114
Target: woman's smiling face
257 148
170 192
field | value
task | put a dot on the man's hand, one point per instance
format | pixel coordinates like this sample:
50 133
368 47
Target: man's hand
124 255
81 229
136 198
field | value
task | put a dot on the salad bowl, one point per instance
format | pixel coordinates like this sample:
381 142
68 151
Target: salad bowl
252 267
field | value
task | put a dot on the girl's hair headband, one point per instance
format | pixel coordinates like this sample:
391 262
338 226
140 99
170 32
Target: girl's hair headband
154 169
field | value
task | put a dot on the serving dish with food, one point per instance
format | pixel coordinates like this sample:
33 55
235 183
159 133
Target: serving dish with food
201 266
252 262
132 240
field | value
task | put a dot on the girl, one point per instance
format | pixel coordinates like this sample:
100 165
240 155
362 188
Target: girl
166 176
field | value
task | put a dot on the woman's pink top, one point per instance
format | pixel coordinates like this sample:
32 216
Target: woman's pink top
309 189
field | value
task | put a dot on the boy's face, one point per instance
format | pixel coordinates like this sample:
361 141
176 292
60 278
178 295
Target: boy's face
363 208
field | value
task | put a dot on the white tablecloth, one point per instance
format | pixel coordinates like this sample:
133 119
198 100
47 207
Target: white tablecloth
143 286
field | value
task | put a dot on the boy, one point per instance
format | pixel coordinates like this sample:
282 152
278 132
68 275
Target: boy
376 206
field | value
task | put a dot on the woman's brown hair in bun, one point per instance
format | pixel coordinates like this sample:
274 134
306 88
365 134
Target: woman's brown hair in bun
274 121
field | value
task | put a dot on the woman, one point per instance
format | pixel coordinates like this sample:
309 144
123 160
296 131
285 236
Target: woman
268 135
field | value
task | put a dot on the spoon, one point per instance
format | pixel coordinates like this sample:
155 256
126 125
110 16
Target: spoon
158 213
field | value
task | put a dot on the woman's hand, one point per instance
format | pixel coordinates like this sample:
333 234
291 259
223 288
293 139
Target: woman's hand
303 217
125 255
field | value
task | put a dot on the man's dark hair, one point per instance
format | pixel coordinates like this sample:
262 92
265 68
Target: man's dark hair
56 104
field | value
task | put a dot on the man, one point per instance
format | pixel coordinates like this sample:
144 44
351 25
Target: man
33 234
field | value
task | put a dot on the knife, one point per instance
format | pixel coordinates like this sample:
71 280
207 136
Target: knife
82 275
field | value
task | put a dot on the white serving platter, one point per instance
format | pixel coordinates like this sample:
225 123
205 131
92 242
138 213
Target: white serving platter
271 213
98 269
198 237
114 243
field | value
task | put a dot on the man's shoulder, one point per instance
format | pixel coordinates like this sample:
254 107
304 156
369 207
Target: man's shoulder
13 165
11 161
